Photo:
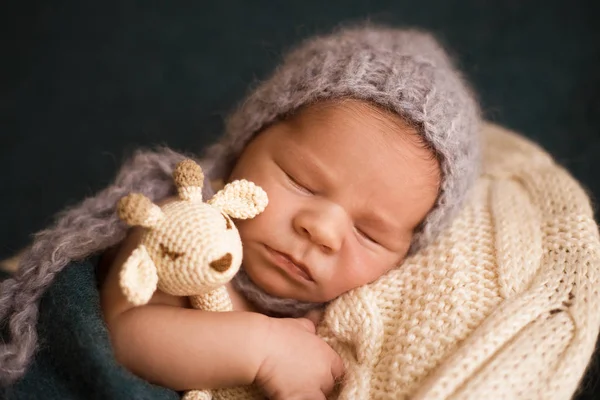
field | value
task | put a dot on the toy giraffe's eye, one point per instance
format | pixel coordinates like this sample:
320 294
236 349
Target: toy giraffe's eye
227 220
173 255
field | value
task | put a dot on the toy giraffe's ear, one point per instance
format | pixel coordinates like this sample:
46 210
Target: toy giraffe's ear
240 199
137 209
189 180
138 277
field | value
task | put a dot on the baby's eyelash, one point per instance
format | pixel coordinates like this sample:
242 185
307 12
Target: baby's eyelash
298 184
369 238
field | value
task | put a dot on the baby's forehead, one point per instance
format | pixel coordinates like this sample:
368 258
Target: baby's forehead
331 119
367 163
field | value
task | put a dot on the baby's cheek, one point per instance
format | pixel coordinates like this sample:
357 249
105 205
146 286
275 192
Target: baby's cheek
363 269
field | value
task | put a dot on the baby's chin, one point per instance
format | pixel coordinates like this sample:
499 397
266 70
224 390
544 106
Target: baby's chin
275 285
271 304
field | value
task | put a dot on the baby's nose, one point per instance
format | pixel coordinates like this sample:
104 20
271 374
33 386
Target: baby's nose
324 226
222 264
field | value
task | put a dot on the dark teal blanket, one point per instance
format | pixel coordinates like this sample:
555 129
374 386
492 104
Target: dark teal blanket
75 359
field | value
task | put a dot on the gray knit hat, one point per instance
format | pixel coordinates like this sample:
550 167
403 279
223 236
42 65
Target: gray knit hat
404 71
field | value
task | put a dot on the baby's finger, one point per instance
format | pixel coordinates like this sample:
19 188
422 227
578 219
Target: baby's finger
315 316
300 396
337 372
307 324
337 368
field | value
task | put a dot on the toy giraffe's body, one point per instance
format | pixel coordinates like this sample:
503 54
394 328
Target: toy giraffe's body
190 248
217 300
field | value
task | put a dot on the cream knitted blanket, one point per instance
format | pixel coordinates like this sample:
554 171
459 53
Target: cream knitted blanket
505 305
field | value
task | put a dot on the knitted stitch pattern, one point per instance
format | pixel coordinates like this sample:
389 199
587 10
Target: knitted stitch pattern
504 305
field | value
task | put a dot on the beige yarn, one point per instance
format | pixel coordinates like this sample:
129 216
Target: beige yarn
504 305
191 248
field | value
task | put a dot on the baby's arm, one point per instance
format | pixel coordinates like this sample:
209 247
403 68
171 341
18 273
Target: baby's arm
171 345
189 349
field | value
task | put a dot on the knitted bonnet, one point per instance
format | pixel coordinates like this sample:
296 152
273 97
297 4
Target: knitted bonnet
402 71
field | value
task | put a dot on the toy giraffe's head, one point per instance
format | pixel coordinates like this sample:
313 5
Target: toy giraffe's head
190 247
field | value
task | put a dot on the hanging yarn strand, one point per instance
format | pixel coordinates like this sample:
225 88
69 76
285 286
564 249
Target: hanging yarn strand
80 231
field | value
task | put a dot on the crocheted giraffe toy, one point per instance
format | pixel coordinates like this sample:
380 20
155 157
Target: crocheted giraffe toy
190 248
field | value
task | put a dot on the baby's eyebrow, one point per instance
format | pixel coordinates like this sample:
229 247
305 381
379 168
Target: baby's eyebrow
379 222
310 164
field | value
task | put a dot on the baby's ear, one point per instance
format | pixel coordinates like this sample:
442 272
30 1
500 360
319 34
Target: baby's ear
240 199
138 277
138 210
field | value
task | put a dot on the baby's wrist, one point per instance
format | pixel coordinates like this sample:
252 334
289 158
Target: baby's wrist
259 331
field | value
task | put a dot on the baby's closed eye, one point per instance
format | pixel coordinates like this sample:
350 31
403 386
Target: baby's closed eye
366 235
297 184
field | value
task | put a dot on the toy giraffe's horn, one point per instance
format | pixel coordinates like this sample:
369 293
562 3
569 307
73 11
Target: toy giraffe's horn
138 210
189 180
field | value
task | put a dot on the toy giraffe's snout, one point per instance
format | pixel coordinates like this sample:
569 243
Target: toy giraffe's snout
222 264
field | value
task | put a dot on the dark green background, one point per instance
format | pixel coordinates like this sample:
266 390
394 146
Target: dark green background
86 82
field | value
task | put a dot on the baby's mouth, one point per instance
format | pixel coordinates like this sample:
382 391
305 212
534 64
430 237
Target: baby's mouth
291 263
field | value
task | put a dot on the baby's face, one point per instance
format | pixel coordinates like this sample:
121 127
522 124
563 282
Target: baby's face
347 186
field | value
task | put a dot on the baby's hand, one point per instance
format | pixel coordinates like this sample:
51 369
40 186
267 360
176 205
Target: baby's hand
298 364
